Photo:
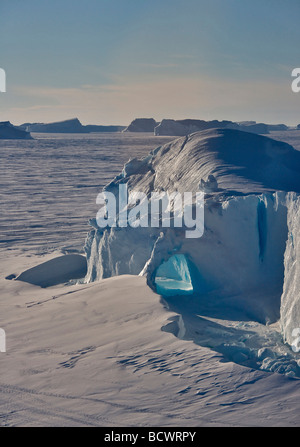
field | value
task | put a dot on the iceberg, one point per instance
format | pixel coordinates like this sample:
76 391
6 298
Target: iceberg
173 277
68 126
188 126
10 132
247 256
141 125
171 127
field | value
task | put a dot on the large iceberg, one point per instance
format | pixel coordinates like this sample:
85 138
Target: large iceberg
141 125
10 132
188 126
247 257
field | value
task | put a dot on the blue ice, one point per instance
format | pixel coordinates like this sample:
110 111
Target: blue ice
173 277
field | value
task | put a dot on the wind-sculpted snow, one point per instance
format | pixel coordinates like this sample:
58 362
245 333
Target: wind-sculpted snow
242 163
252 185
228 259
114 352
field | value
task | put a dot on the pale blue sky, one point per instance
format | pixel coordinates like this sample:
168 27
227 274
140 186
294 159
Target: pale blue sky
109 61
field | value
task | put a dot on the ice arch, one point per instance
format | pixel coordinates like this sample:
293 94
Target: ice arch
174 277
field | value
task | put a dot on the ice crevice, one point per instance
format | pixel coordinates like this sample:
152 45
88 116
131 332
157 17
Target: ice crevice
262 228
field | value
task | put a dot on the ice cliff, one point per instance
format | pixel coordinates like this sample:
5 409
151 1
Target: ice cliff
171 127
247 258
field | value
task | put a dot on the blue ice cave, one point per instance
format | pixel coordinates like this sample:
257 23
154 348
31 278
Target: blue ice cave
173 277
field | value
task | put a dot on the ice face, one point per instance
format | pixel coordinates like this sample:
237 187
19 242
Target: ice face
290 302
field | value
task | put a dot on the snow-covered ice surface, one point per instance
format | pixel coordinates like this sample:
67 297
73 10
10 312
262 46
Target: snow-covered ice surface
108 354
112 352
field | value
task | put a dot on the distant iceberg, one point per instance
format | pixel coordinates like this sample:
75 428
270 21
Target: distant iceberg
68 126
141 125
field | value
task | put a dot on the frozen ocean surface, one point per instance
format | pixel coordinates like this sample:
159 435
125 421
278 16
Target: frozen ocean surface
49 185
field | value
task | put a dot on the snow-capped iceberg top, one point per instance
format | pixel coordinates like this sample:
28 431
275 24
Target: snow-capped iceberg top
239 162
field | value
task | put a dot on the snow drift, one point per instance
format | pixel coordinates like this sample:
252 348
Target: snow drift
55 271
246 259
